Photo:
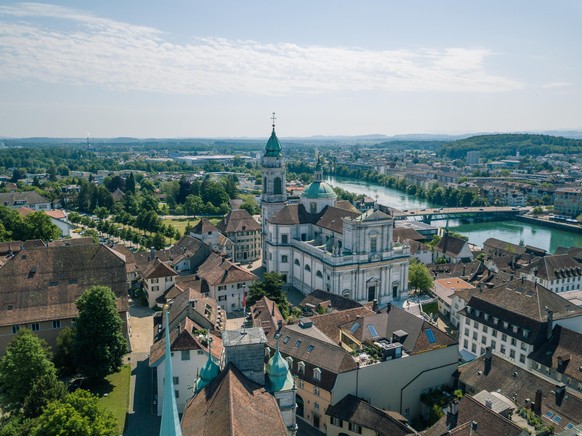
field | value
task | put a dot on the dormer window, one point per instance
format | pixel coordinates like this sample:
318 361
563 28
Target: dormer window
525 333
301 367
317 374
486 316
495 320
477 312
505 324
289 361
515 329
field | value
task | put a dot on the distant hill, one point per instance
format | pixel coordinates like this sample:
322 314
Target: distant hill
505 145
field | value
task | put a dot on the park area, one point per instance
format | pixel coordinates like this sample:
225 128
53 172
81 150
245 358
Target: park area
114 395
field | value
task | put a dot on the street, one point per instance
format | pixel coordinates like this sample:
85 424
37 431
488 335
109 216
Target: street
140 420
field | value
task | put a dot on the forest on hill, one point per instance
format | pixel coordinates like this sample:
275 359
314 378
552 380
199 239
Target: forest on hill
505 145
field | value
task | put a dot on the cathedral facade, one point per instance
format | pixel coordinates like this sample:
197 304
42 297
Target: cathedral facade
323 243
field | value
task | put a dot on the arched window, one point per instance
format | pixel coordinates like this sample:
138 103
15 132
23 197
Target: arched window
347 293
307 268
319 274
277 186
297 262
264 185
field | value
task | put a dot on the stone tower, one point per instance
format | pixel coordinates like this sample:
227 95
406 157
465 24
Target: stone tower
274 196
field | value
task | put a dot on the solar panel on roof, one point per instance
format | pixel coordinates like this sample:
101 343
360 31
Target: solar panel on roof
373 331
430 335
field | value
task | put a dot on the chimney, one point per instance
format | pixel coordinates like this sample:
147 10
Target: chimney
375 305
488 403
452 414
560 393
273 309
464 267
488 358
538 403
152 253
550 318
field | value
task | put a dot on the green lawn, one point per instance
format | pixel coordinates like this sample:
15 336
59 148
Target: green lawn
181 224
430 307
117 399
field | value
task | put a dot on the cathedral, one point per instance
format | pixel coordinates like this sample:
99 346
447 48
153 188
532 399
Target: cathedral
323 243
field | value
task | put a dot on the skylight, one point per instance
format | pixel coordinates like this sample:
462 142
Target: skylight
310 348
286 339
373 331
430 335
355 327
297 344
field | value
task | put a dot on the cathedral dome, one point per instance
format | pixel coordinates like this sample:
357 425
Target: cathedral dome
318 189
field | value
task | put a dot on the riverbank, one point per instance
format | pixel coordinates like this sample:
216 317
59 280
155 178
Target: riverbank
516 231
574 228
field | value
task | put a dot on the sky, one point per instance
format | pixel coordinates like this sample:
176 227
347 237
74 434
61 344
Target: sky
188 68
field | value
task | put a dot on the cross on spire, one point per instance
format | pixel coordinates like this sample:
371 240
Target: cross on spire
273 118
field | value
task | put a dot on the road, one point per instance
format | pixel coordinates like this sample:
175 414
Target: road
141 421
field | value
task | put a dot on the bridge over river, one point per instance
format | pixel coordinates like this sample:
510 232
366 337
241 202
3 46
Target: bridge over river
485 212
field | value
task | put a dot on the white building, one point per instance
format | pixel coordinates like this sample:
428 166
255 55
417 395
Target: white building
558 273
189 355
225 282
321 243
514 319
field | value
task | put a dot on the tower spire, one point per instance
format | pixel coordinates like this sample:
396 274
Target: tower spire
273 118
170 420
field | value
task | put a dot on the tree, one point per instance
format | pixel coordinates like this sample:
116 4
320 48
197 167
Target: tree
37 225
63 357
25 362
159 241
46 389
419 277
272 288
130 183
99 344
78 414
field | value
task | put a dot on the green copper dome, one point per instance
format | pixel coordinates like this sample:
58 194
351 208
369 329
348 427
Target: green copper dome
277 372
273 148
318 190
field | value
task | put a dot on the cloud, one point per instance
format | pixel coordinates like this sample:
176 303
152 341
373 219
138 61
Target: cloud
53 44
556 85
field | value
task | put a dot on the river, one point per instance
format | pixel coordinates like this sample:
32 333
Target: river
512 231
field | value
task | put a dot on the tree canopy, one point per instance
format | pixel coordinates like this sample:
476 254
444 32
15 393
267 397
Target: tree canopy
419 277
27 360
272 287
99 345
78 414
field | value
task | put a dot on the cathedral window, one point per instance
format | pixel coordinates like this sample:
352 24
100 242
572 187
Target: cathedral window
278 186
297 262
307 268
319 274
373 244
313 207
264 185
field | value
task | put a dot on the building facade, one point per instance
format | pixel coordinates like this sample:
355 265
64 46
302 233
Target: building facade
324 244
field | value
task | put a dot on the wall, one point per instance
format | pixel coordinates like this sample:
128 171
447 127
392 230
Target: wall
408 377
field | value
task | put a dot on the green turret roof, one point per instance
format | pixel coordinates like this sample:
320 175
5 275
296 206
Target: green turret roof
318 189
209 372
278 375
273 148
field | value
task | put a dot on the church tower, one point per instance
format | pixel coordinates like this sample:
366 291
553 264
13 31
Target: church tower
274 196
